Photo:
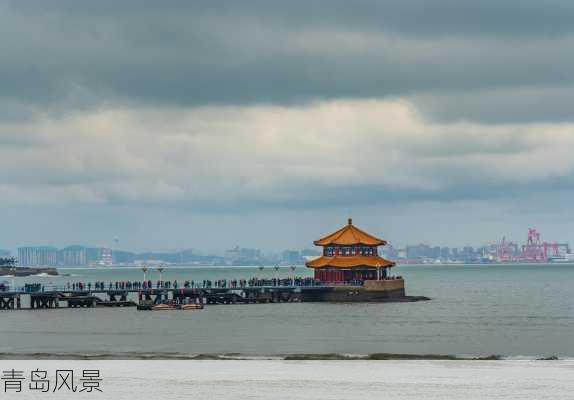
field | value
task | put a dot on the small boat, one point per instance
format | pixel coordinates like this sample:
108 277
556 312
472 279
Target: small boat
165 307
162 307
192 307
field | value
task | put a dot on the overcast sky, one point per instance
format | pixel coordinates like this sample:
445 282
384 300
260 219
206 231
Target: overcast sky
206 124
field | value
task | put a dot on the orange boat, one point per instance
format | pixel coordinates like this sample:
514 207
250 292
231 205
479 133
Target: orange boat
192 307
162 307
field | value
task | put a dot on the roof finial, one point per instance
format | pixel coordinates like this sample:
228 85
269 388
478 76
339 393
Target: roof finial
350 220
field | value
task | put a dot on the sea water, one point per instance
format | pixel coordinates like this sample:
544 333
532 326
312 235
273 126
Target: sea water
517 311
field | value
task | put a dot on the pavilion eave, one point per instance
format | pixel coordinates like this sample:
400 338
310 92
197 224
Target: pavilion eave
347 262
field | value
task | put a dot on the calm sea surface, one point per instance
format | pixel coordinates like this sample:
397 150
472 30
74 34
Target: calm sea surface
510 310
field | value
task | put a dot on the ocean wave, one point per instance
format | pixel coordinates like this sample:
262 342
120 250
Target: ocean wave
285 357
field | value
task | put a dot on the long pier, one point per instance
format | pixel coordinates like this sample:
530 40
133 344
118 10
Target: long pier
144 295
64 297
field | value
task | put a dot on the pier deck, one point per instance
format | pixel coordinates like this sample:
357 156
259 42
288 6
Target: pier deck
56 297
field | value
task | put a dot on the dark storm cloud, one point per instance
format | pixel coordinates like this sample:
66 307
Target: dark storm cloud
412 17
86 54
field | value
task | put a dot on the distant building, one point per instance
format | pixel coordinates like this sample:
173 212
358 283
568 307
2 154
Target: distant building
401 253
247 254
243 256
390 252
93 255
419 251
187 256
310 253
107 256
73 256
445 253
4 253
232 255
468 253
455 255
99 256
291 257
38 256
123 257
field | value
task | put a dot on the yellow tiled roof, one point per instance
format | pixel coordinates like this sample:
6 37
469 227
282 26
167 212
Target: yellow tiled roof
349 235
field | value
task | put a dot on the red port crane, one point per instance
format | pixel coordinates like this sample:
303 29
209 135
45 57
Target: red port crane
535 250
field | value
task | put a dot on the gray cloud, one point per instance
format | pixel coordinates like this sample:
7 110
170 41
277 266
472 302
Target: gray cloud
527 104
69 54
330 153
434 17
230 108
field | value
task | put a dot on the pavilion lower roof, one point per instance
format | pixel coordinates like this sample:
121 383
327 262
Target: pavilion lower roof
350 262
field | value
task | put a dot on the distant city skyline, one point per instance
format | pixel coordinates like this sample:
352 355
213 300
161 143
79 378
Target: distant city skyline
221 250
534 248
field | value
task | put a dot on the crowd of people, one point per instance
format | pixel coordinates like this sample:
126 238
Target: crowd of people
28 287
33 287
204 284
188 284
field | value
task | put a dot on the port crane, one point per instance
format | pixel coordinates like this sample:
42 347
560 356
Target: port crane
536 250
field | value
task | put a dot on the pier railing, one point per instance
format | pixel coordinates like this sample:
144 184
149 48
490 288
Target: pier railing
128 286
80 287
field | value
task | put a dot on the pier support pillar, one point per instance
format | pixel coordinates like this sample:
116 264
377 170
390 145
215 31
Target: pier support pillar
7 302
48 300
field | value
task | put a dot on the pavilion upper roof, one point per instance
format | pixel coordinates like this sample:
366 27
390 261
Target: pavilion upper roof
350 235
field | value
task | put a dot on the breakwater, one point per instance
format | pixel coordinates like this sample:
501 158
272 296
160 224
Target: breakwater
27 271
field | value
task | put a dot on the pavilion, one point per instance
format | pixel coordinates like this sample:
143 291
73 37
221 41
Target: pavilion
350 255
